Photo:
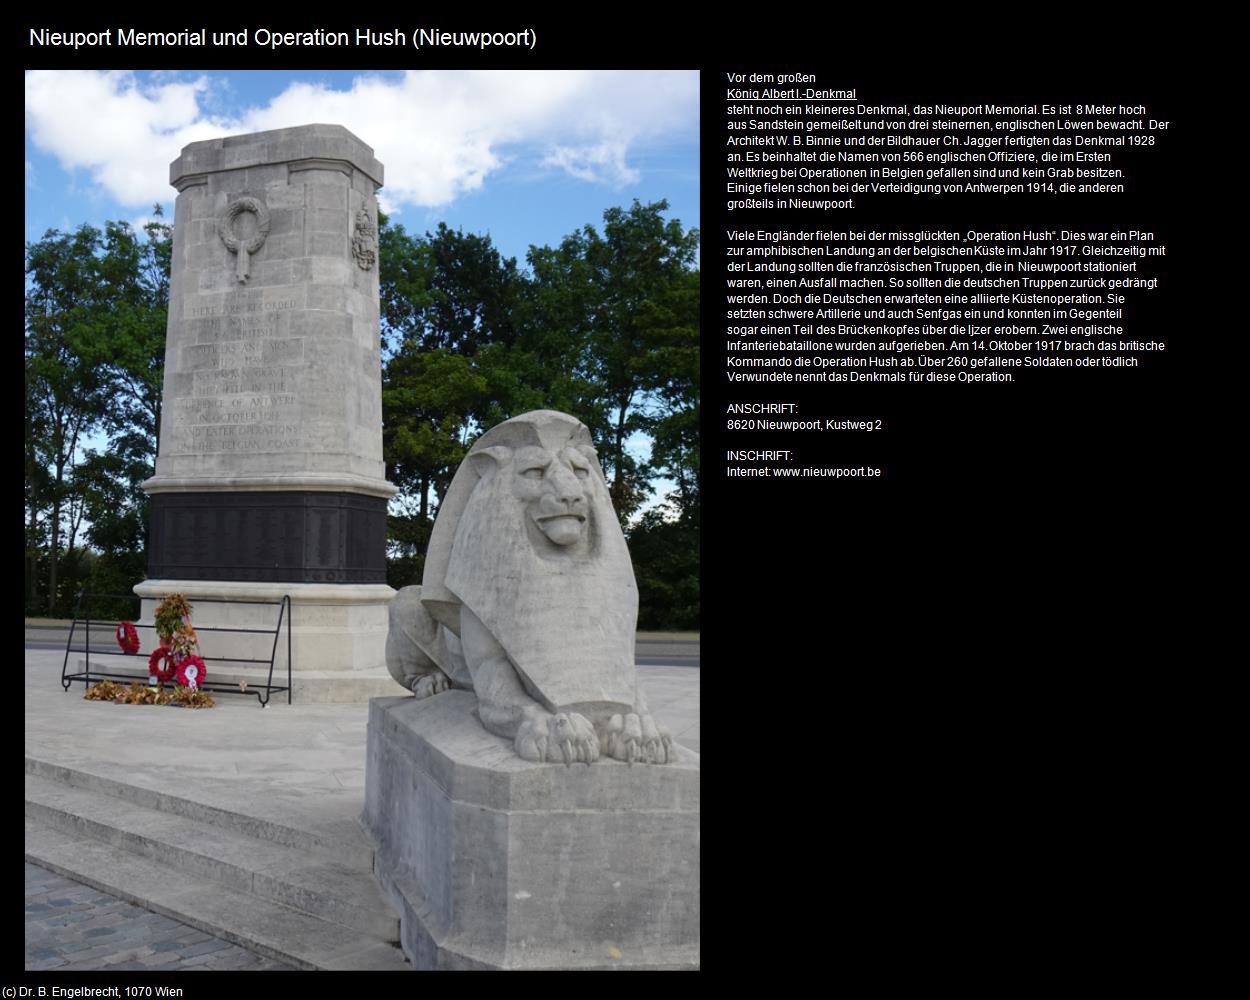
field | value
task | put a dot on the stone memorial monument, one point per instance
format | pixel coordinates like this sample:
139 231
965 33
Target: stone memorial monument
269 478
498 844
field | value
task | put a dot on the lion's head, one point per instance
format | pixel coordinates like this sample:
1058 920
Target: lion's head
552 486
544 463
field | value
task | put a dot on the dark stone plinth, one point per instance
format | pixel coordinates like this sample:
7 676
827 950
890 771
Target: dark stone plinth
279 536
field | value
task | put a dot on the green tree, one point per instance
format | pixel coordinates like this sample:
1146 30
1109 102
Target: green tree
559 319
629 300
96 304
405 273
665 553
37 487
448 303
131 351
475 292
675 401
117 510
426 399
66 392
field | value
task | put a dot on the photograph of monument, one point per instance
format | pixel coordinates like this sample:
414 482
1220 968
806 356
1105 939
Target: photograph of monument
417 358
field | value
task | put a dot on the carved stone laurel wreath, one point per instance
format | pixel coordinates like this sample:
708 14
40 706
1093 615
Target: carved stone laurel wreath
365 241
241 248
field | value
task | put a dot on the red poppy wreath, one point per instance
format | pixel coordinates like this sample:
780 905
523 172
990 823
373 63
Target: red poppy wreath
191 672
127 638
161 664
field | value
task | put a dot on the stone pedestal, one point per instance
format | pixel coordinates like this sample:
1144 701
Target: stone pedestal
498 863
269 477
333 643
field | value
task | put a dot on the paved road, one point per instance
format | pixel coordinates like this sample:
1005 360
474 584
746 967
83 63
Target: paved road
70 926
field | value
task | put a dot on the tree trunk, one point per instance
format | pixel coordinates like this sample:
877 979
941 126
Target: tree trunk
75 522
54 547
618 455
32 555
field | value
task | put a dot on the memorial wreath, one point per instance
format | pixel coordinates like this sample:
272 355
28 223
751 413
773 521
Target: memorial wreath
161 665
191 671
127 638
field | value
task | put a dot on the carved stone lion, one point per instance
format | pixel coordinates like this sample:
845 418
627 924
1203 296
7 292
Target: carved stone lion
529 600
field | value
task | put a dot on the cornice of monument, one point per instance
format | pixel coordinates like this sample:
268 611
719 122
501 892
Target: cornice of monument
227 590
307 147
335 483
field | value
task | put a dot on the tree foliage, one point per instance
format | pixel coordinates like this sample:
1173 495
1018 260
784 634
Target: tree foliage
665 552
627 303
96 304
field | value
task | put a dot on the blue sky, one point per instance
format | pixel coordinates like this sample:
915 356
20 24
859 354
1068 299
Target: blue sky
527 157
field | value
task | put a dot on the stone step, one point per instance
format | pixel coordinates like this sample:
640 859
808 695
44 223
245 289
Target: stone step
266 927
311 883
348 847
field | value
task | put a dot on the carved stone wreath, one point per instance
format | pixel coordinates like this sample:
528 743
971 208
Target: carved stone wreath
244 249
365 241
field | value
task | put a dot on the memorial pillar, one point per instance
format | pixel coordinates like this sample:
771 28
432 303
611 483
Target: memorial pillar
269 476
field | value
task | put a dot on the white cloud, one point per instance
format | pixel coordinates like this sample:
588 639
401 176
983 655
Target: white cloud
604 163
124 135
439 134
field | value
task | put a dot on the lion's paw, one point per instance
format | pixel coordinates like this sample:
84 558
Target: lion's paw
571 738
565 736
531 738
638 738
431 684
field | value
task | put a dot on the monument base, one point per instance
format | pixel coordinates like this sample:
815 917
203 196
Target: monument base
338 634
494 862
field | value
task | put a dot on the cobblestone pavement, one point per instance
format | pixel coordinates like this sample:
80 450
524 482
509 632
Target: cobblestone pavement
70 926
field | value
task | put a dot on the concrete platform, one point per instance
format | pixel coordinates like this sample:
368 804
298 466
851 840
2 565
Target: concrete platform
119 790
